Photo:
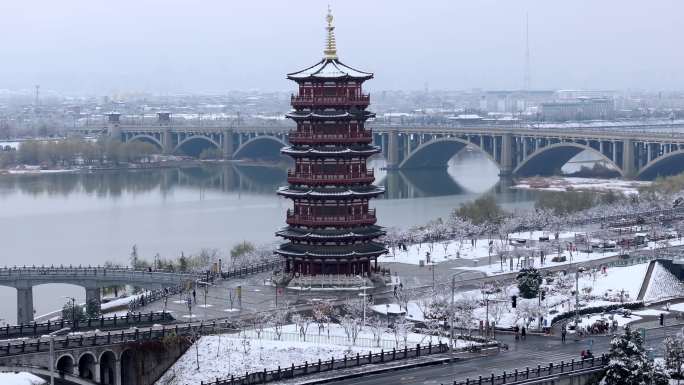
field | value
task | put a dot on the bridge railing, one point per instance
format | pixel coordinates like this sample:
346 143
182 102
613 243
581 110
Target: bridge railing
40 328
539 372
239 272
90 271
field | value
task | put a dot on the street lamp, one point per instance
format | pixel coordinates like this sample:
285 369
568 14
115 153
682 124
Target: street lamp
387 306
363 283
73 310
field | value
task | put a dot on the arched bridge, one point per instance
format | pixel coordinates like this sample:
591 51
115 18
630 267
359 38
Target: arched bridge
631 151
91 278
525 152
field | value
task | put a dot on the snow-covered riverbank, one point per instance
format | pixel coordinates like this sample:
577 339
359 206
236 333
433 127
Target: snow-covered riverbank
628 187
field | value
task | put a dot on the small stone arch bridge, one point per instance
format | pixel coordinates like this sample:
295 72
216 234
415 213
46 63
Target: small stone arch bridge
90 278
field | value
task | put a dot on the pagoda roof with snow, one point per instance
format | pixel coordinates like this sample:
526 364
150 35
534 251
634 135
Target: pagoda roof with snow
328 69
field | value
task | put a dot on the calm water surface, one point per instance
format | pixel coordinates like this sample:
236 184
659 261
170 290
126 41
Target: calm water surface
88 219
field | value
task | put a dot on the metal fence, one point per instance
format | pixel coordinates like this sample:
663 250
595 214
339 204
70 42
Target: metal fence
528 375
36 329
330 365
362 342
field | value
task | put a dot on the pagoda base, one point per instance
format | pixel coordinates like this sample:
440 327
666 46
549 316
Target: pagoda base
335 282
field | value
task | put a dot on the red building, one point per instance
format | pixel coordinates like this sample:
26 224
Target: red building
331 229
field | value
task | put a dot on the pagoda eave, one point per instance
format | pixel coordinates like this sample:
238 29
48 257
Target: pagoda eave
336 194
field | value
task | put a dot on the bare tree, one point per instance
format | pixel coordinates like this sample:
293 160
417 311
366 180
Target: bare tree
278 320
402 327
378 327
352 327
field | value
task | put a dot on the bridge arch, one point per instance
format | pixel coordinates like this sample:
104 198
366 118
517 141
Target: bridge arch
87 365
256 147
549 159
107 368
669 164
436 153
148 139
194 145
65 364
128 367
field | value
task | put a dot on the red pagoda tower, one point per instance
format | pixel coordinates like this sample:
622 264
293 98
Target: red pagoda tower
331 229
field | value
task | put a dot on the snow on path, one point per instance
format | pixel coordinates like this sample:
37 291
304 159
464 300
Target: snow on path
20 379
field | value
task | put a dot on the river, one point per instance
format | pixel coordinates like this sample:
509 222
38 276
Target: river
89 219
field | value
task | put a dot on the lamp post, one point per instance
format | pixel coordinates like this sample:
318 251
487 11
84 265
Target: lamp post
363 297
451 314
73 311
387 306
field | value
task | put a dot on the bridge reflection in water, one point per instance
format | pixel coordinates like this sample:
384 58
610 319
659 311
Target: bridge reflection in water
234 177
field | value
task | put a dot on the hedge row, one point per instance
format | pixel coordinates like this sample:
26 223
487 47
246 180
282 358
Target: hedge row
598 309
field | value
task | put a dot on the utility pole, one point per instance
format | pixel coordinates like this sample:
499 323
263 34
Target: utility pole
451 313
52 360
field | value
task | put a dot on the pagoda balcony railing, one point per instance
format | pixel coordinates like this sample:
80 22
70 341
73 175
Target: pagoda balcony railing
310 101
323 179
331 220
353 137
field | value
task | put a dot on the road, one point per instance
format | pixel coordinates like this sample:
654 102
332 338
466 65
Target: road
536 350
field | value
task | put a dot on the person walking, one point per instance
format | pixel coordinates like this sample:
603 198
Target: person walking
564 332
523 333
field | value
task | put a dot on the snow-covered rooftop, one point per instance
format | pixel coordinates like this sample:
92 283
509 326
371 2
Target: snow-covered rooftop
329 69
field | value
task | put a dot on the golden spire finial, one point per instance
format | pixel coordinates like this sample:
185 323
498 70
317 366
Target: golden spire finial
330 51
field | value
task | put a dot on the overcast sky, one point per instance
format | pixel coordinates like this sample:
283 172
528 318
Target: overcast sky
169 46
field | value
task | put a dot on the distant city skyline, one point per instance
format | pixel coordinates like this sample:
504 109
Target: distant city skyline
174 46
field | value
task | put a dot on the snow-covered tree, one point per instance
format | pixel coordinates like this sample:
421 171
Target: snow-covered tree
529 280
464 313
278 320
393 237
674 355
628 363
322 311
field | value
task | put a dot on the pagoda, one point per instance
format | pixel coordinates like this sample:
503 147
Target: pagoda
331 229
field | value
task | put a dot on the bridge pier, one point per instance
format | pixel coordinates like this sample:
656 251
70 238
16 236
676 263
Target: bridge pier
628 159
167 141
393 150
506 154
93 295
227 144
114 125
24 305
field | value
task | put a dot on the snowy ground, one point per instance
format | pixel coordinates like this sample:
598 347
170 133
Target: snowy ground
580 184
571 257
221 356
453 249
616 285
663 285
20 379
